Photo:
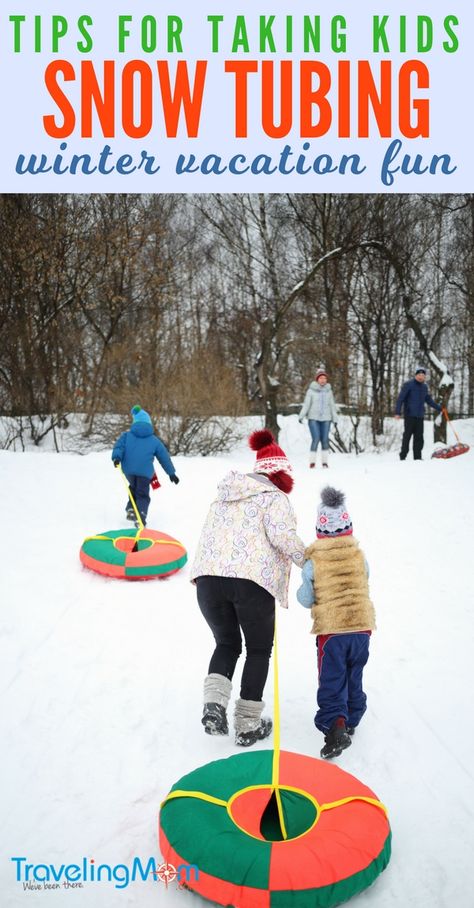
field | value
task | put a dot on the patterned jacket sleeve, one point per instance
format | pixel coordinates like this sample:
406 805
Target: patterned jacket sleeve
280 528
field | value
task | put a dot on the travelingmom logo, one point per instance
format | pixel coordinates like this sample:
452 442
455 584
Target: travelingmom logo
41 876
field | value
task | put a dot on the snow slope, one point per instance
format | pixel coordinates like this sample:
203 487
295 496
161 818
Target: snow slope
101 679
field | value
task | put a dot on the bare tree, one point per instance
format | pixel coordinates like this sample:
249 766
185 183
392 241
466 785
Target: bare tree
108 300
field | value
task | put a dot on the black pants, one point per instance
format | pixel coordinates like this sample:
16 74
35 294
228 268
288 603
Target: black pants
229 605
413 426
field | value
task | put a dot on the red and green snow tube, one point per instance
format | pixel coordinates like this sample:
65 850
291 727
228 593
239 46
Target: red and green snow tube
130 555
222 821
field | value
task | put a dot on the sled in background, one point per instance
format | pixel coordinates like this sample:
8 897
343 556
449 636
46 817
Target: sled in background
132 555
446 452
451 451
126 554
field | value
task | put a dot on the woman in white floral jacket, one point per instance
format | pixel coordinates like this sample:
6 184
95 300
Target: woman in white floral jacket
242 566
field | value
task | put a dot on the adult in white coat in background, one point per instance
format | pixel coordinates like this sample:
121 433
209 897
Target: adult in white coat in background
319 408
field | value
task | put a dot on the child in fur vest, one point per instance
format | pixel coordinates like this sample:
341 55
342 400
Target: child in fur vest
336 590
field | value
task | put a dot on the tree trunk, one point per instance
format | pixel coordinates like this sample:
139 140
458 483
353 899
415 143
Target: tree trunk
377 420
444 393
267 385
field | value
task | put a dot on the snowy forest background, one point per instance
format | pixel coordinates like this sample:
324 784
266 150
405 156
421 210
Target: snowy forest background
200 307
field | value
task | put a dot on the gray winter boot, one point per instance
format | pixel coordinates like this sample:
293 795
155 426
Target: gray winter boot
248 723
217 689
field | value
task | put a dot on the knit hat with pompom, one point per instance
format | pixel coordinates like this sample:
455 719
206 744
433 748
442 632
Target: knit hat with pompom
321 371
140 415
333 519
271 460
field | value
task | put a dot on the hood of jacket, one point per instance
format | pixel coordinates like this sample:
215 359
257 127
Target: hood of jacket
237 486
315 386
141 429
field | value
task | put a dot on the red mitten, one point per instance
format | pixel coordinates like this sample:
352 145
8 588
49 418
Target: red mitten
154 482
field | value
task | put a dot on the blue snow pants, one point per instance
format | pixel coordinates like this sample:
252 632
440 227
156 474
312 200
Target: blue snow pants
341 660
140 489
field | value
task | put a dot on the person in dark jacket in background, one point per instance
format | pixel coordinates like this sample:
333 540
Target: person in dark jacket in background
135 451
413 397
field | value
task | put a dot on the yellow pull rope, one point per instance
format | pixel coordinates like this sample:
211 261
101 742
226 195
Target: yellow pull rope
276 753
276 735
137 513
343 801
100 538
275 786
115 539
210 799
199 795
163 541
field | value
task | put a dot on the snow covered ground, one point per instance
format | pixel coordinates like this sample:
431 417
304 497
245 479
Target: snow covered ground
101 679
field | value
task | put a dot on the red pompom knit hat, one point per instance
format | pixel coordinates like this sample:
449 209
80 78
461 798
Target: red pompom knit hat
271 460
321 372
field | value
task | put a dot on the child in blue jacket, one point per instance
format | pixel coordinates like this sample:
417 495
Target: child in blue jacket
135 451
336 590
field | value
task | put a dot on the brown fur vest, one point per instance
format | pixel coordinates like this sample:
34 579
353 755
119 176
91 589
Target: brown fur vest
341 588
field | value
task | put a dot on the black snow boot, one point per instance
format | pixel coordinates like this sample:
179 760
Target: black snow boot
214 719
249 725
350 730
217 691
130 514
337 739
247 738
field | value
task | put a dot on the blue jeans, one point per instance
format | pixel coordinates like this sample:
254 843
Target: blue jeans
319 433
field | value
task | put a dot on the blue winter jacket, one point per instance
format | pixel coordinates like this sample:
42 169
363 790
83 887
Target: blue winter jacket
136 449
413 397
